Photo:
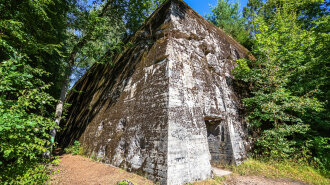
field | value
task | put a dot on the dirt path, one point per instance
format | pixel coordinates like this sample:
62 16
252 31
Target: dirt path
78 170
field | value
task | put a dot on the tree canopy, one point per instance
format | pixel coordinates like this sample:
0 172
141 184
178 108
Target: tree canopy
227 16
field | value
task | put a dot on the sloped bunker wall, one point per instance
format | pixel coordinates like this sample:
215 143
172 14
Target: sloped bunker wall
201 61
119 112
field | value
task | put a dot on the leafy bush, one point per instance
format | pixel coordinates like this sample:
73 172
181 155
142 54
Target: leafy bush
24 122
29 173
122 183
75 149
125 182
275 143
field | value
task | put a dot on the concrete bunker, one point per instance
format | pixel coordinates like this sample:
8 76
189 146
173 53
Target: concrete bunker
146 111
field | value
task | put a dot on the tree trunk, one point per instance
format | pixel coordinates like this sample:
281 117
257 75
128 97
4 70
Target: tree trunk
60 104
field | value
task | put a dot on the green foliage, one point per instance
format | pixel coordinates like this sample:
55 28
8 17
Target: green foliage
30 43
288 106
107 33
35 30
27 174
226 15
138 11
24 120
55 161
250 12
125 182
278 143
122 183
75 149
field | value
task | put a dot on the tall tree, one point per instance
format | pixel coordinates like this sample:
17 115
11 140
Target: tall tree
250 12
226 15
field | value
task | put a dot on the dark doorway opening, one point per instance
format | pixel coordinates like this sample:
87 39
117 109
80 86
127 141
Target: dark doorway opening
219 141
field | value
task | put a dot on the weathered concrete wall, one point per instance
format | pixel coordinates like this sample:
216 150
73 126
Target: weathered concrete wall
120 113
201 60
147 112
132 132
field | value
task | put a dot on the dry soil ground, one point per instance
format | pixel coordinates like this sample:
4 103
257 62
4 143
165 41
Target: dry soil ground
78 170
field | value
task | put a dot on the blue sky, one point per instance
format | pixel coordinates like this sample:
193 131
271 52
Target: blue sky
203 8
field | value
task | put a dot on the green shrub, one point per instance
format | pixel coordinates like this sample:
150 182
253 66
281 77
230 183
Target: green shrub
125 182
33 173
24 122
122 183
75 149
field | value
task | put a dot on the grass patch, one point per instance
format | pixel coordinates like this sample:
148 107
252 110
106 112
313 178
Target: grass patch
215 181
281 169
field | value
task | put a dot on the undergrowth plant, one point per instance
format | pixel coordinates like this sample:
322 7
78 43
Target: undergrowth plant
282 169
24 122
122 183
75 149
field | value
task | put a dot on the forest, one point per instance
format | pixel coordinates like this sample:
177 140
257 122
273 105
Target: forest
47 45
